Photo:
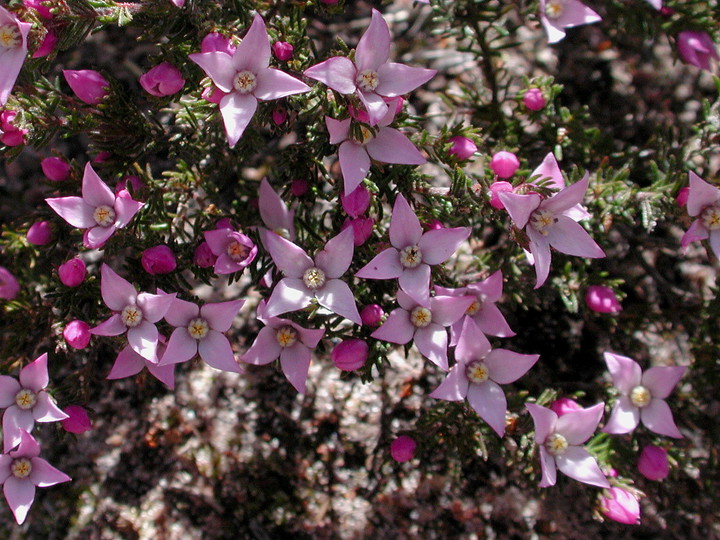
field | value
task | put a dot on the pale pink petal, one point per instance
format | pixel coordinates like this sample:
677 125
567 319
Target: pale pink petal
13 59
398 79
544 420
218 66
489 402
44 475
391 146
125 210
144 340
5 462
275 84
181 347
661 380
218 240
94 191
569 237
405 228
215 350
578 464
696 232
127 363
265 349
397 328
385 265
715 242
492 322
96 237
274 212
624 417
354 164
339 130
701 195
295 363
288 257
549 173
253 52
520 207
658 418
454 387
336 256
567 198
472 343
309 337
578 426
432 342
416 284
337 72
508 366
336 296
375 106
164 374
28 448
237 110
154 306
110 327
74 210
290 294
540 250
626 373
548 468
19 495
9 388
405 301
181 312
221 315
438 245
116 292
34 376
447 310
373 49
14 421
45 410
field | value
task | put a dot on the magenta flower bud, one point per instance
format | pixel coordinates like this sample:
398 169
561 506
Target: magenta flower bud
217 42
653 463
602 299
433 225
504 164
279 116
620 505
162 80
203 256
224 223
77 334
47 46
134 181
356 203
40 7
72 273
682 196
102 157
10 135
55 168
362 229
499 187
462 148
282 50
213 95
350 354
39 233
89 86
9 286
372 315
77 421
158 260
564 405
696 48
329 2
534 99
299 187
403 448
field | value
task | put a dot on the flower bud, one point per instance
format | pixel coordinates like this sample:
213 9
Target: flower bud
224 223
504 164
39 6
9 286
203 256
77 421
72 273
158 260
696 48
462 148
534 99
403 448
213 94
299 187
39 233
89 86
135 182
77 334
682 196
602 299
620 505
433 225
10 134
350 354
372 315
217 42
499 187
282 50
357 203
653 463
362 229
564 405
102 157
279 116
47 46
55 168
162 80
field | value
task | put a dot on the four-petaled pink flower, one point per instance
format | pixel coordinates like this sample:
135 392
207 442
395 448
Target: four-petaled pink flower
275 214
642 396
306 279
233 249
99 210
129 363
26 401
413 252
246 78
703 202
371 77
559 441
134 313
556 15
13 49
479 372
284 339
201 330
552 222
21 471
424 325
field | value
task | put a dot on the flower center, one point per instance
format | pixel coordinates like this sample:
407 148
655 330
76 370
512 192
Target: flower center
367 134
314 278
477 372
104 215
237 252
542 220
711 218
554 8
25 399
420 317
474 308
286 336
368 80
131 316
245 82
411 257
640 396
21 468
198 328
556 444
10 37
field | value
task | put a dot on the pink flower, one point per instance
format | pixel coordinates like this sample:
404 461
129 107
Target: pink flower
162 80
234 250
158 260
99 211
77 334
479 372
386 145
703 202
10 134
602 299
26 402
41 7
47 46
39 233
21 471
13 49
72 273
653 463
89 86
372 315
362 229
403 448
371 77
504 164
216 42
9 286
682 196
696 48
279 115
413 252
350 354
642 396
534 99
55 168
620 505
556 15
563 406
133 312
495 189
282 50
357 202
246 78
274 212
462 148
203 256
306 279
201 331
425 326
77 421
129 363
559 441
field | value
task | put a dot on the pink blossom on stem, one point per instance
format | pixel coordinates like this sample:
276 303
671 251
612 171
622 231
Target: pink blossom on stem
282 50
682 197
276 216
362 229
504 164
357 202
41 6
557 15
653 463
77 334
158 260
495 189
703 203
620 505
129 363
72 273
564 405
13 49
162 80
10 134
89 85
372 315
462 147
47 46
279 115
9 286
234 250
56 169
697 49
403 448
534 99
350 354
39 233
77 421
602 299
203 256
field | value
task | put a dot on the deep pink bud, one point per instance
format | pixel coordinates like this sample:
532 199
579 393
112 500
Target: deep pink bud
372 315
329 2
534 99
40 7
102 157
279 116
89 86
653 463
9 286
433 225
350 354
362 229
203 256
158 260
282 50
462 147
682 196
224 223
10 135
162 80
77 334
620 505
499 187
213 94
696 48
299 187
77 421
602 299
564 405
357 203
666 11
72 273
504 164
403 448
217 42
135 181
39 233
47 46
55 168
